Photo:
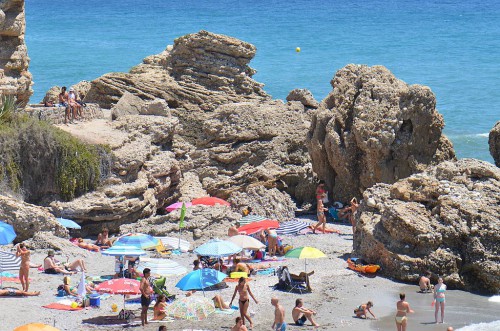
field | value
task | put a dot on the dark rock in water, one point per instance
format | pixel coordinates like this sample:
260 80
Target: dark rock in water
374 128
445 220
28 219
201 71
494 142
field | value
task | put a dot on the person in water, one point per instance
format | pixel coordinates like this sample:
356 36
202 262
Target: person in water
243 289
24 269
403 308
362 310
439 299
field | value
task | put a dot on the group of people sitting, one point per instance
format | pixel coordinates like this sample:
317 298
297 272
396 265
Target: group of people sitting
73 105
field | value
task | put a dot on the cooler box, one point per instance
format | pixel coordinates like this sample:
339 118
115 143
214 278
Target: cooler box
95 300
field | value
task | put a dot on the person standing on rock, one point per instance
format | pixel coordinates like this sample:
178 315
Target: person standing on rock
439 299
146 292
24 269
320 212
403 308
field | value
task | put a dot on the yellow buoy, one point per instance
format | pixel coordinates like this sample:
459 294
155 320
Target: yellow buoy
297 49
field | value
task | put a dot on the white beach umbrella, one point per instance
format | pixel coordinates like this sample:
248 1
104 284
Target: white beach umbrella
246 242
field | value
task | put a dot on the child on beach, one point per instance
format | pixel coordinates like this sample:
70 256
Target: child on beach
361 310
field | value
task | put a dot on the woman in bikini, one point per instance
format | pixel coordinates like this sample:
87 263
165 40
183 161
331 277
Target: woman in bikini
321 215
24 269
244 291
159 308
103 239
439 299
403 308
90 247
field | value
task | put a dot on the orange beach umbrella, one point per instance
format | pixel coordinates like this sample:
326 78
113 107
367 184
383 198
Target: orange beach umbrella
36 327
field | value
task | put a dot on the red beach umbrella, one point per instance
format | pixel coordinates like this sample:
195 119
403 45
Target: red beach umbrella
254 227
210 201
119 286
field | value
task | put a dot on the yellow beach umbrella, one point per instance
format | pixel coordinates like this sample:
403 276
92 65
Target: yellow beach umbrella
36 327
305 253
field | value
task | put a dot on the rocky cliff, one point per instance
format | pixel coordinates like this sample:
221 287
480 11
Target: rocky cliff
494 142
200 71
15 78
445 220
374 128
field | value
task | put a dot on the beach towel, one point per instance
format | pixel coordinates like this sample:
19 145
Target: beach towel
59 306
292 227
234 280
268 271
224 311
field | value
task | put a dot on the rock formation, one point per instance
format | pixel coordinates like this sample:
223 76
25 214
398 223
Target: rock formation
445 220
28 219
374 128
494 142
145 175
304 96
201 70
15 79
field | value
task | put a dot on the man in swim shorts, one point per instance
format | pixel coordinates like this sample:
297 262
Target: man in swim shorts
300 314
279 316
146 292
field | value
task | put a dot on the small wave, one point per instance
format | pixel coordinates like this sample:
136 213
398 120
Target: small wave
495 298
492 326
470 135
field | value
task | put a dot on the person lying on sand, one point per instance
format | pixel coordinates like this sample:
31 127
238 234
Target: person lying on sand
11 292
361 310
90 247
219 302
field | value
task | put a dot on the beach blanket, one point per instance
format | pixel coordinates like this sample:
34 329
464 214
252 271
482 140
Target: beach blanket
59 306
292 227
9 262
224 311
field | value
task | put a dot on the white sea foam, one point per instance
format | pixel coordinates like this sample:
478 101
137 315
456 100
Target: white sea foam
492 326
495 298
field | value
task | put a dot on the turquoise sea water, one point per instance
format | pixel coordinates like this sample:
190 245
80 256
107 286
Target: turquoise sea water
451 46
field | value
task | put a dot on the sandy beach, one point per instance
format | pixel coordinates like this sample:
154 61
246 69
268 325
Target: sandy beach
336 291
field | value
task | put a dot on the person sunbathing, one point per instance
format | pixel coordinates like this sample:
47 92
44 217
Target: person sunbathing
69 290
219 302
50 265
303 277
12 292
90 247
103 239
159 308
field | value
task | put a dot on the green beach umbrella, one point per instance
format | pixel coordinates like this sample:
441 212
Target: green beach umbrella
305 253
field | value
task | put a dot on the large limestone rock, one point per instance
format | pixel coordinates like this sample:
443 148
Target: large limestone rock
128 104
445 220
304 96
374 128
145 176
494 142
201 70
200 222
15 79
248 143
28 219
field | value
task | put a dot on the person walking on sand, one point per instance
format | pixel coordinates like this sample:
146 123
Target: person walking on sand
239 326
362 310
24 270
320 212
146 292
439 299
244 292
279 316
301 314
403 308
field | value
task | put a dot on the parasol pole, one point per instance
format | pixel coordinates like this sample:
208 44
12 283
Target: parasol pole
181 223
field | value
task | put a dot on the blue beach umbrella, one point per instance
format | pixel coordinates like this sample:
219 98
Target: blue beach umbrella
7 233
124 250
217 248
68 223
200 279
139 240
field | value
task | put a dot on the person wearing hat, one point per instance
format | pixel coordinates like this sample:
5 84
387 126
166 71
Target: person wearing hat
73 103
50 266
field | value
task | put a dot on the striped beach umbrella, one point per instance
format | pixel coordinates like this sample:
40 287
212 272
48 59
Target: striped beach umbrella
124 250
251 218
139 240
163 267
292 227
8 262
217 248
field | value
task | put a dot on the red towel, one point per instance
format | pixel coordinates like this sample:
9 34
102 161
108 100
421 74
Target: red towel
59 306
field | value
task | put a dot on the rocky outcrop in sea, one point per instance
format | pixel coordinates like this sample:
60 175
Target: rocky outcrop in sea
494 142
445 220
374 128
15 79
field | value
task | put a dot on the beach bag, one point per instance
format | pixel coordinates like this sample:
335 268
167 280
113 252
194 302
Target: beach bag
126 315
